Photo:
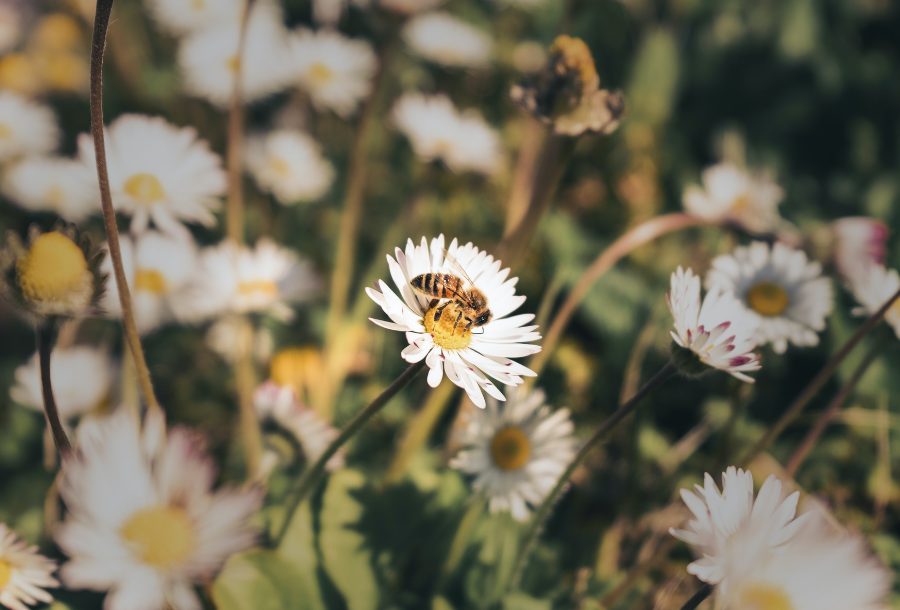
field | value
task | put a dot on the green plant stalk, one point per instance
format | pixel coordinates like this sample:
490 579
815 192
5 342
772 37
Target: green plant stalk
313 474
45 334
543 512
245 379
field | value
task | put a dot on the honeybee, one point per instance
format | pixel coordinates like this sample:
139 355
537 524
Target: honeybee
471 304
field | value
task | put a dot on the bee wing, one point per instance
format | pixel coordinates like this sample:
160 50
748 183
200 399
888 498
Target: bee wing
457 268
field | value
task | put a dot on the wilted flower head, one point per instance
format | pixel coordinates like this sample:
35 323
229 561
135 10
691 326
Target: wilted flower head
442 38
26 127
288 163
872 287
24 574
55 184
859 241
732 194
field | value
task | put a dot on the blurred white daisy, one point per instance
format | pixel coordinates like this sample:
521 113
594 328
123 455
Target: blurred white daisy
180 17
159 172
733 194
314 434
208 58
55 184
859 241
516 451
24 574
288 163
731 531
143 520
239 279
82 379
466 355
26 127
718 334
783 292
334 70
157 267
446 40
872 287
437 130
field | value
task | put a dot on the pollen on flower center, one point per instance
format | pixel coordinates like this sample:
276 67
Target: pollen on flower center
145 188
767 298
320 73
280 167
446 332
162 535
266 287
510 449
198 5
150 280
763 597
53 269
740 202
5 573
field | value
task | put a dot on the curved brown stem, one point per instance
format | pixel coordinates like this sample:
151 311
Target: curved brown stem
699 597
234 212
45 346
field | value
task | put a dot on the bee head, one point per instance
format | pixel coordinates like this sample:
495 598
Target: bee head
483 318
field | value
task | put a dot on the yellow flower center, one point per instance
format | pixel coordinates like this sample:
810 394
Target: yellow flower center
293 366
198 5
510 449
55 196
162 535
320 73
763 597
740 202
233 63
5 574
145 189
150 280
53 269
280 167
447 332
266 287
767 298
18 72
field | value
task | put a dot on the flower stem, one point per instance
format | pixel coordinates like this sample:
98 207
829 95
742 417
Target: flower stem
699 597
543 512
816 384
314 473
45 345
98 43
244 377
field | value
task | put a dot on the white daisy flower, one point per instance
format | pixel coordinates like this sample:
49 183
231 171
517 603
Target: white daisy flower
24 574
180 17
437 130
314 434
82 378
143 521
516 451
26 127
288 163
859 241
159 172
239 279
731 531
334 70
208 58
54 184
730 193
446 40
465 351
157 268
719 333
782 291
872 287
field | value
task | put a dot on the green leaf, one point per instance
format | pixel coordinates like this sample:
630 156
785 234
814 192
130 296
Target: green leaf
298 550
264 580
520 601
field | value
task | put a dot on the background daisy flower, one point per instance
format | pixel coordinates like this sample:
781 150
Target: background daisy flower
26 127
289 164
730 193
859 241
53 184
442 38
872 287
24 574
180 17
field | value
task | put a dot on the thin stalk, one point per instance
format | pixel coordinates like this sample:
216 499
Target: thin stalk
314 473
98 43
833 407
816 384
627 243
543 512
45 346
699 597
245 380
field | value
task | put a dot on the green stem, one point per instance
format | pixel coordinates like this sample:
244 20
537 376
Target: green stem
45 346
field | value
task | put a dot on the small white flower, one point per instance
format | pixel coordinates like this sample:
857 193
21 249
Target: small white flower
446 40
446 345
24 574
859 241
730 531
782 291
334 70
26 127
180 17
719 333
516 451
82 378
289 164
872 287
159 172
143 520
437 130
55 184
730 193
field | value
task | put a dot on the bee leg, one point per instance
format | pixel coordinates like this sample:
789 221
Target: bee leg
439 310
457 321
469 325
432 303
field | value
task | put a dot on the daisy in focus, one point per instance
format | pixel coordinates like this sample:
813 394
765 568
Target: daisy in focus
442 38
715 332
467 345
732 194
516 451
872 287
24 574
82 376
159 172
784 293
288 163
436 130
334 70
143 521
54 184
859 242
26 127
180 17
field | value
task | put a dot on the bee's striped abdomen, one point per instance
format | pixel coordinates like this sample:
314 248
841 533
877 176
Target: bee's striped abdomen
439 285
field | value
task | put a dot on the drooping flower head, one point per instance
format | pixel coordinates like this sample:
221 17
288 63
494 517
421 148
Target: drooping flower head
715 332
442 38
872 287
24 574
448 343
288 163
54 184
732 194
